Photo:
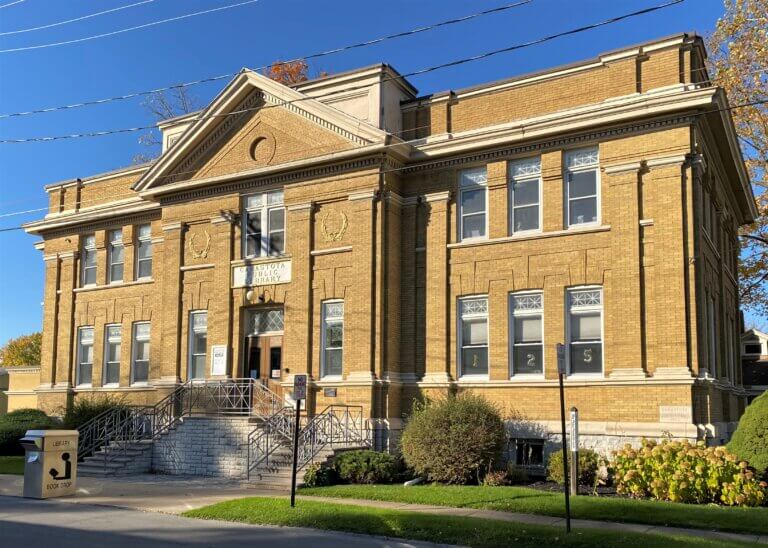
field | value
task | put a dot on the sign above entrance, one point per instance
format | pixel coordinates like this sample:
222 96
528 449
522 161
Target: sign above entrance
275 272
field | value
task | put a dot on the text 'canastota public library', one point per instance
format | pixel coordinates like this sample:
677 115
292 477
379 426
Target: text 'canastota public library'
395 246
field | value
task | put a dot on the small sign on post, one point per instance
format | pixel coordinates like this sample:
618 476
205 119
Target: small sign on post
560 374
299 393
574 451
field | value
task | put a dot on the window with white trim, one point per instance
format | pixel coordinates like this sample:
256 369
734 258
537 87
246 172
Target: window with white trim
527 333
585 331
143 252
198 344
264 225
473 336
88 261
140 349
473 199
332 339
115 256
112 346
84 373
582 186
525 195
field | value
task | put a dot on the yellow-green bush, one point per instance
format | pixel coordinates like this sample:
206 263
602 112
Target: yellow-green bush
682 472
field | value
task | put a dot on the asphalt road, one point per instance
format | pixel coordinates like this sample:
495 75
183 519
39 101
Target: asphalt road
29 523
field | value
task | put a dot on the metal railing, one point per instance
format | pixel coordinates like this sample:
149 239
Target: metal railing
337 426
118 430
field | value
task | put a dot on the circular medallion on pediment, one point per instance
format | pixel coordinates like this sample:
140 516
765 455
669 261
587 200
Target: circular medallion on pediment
263 148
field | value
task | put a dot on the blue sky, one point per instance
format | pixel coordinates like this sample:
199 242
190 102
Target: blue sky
223 42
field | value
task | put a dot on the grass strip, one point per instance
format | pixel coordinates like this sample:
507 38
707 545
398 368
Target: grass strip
428 527
533 501
12 465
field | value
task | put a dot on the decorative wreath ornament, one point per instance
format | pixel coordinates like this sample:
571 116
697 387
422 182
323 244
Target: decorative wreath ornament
194 250
333 235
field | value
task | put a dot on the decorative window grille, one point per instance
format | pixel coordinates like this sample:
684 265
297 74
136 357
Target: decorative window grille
473 336
527 334
583 187
525 195
585 331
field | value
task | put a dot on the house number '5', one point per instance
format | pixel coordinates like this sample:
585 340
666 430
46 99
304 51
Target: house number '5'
587 355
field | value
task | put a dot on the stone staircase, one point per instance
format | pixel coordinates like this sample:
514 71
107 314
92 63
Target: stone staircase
136 458
278 474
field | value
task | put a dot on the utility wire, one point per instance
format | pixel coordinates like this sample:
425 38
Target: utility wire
58 24
129 29
402 77
307 57
429 163
8 5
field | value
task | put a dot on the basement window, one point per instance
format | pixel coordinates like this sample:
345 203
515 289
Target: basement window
529 452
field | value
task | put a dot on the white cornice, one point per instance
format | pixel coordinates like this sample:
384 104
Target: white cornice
92 214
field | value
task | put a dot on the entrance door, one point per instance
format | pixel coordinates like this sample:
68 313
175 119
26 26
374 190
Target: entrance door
264 357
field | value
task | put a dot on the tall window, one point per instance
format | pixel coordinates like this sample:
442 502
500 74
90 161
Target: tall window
112 344
583 186
264 225
525 195
332 339
472 203
585 330
527 333
473 336
140 360
198 344
84 374
88 261
116 256
143 252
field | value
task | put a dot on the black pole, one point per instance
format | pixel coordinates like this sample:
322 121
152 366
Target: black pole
296 453
565 458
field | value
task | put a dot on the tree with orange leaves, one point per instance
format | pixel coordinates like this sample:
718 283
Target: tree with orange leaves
287 72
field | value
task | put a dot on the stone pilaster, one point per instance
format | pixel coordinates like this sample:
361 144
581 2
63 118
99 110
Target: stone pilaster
173 253
129 253
50 325
65 354
299 334
220 313
437 366
498 200
552 191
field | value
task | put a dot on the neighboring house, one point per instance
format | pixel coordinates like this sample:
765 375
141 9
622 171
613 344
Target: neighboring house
3 388
20 389
394 246
754 362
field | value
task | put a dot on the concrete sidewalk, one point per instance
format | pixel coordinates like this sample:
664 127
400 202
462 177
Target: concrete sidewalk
177 494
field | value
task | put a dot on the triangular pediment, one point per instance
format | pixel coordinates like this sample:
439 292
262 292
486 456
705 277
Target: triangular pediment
256 123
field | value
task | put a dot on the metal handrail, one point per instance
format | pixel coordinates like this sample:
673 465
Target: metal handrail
336 425
117 430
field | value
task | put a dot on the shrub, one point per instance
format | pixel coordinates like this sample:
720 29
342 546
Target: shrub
318 475
85 408
366 466
496 478
15 424
683 472
750 441
516 474
589 462
453 440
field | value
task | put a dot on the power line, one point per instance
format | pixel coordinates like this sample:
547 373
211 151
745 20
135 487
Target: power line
129 29
307 57
426 164
419 72
8 5
58 24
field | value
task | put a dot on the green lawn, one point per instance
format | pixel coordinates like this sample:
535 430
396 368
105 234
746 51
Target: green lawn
11 465
415 526
533 501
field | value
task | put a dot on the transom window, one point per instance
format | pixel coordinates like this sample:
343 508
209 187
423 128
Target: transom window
143 252
472 203
583 186
84 372
88 261
268 320
116 255
585 330
525 195
527 333
198 344
264 225
140 346
112 344
473 336
332 339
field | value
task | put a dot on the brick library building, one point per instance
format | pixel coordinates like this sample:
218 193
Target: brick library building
394 246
